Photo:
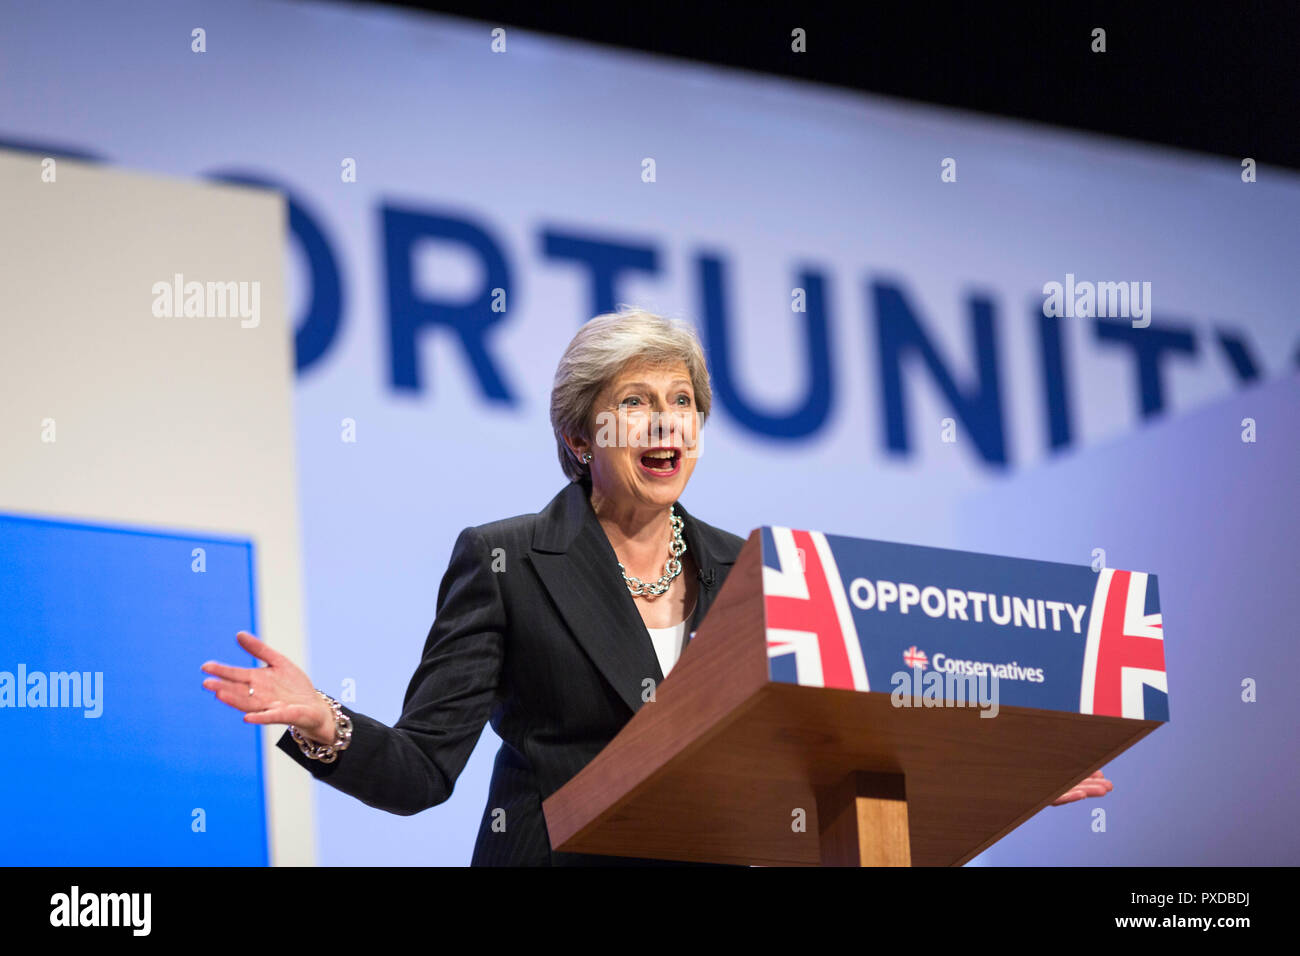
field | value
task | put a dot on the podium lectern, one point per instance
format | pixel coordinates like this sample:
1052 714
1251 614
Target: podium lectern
823 712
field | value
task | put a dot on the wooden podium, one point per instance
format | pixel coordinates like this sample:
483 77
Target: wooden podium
729 766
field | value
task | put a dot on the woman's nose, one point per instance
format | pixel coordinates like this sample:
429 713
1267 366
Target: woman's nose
665 425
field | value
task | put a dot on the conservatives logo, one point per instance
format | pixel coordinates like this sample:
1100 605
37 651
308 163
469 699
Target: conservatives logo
1008 671
914 659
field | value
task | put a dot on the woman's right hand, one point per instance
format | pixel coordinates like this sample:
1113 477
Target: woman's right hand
281 692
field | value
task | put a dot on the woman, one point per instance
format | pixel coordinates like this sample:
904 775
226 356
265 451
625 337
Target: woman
551 625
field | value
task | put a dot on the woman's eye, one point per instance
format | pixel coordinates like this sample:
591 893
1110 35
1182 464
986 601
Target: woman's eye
684 396
630 400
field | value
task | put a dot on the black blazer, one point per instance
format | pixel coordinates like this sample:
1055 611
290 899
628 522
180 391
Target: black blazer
536 631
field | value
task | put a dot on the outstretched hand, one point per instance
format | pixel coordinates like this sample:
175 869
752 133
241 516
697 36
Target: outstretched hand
1094 786
279 693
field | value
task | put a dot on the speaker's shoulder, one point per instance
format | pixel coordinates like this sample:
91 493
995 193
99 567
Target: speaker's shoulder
505 532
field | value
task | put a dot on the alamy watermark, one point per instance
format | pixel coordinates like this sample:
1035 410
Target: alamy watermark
74 908
71 689
620 430
914 688
208 300
1122 300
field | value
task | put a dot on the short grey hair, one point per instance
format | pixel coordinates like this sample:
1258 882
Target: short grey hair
603 347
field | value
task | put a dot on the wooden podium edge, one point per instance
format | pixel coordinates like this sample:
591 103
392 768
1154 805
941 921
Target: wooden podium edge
1065 785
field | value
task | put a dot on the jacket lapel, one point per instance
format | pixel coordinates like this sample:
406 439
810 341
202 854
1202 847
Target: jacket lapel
579 569
714 562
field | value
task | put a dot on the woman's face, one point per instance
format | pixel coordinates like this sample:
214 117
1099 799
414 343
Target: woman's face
645 438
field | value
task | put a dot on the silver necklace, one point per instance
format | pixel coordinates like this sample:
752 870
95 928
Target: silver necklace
672 567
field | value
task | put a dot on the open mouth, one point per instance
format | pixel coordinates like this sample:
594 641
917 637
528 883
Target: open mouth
662 462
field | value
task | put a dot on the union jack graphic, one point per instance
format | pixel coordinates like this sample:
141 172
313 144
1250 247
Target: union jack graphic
1126 647
914 658
808 613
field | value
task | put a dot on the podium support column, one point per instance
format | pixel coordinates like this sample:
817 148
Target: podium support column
863 821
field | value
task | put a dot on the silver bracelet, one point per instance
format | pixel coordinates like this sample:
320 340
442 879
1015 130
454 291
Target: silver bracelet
327 753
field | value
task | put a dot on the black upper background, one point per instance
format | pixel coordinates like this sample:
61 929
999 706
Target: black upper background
1220 78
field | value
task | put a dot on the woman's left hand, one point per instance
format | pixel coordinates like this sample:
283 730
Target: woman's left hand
1094 786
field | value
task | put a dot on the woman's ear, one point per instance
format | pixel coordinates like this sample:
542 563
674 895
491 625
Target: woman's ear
578 445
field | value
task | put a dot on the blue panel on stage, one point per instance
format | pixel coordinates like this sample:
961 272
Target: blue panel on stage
122 757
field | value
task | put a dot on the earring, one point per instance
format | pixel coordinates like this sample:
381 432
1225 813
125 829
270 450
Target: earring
587 457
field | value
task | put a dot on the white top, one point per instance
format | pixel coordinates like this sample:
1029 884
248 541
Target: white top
668 642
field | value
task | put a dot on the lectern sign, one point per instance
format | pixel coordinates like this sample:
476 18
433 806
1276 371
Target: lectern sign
801 690
851 613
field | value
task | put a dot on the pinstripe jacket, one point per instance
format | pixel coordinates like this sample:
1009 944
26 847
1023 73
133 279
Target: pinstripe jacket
535 631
